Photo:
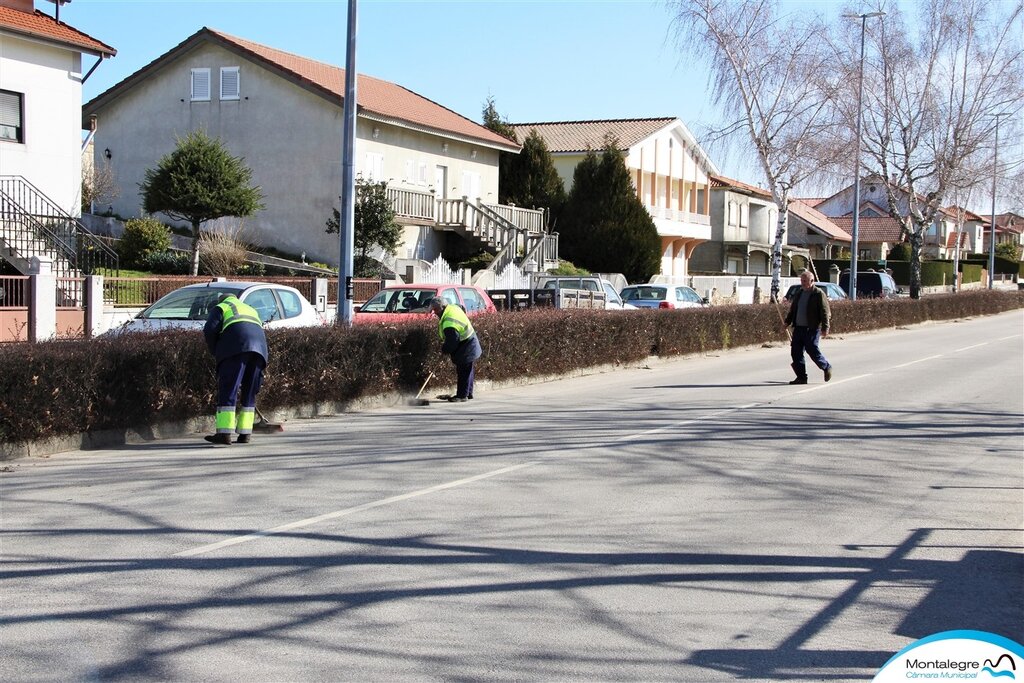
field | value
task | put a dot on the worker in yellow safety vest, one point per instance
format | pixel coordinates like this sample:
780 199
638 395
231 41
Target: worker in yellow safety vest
234 334
460 342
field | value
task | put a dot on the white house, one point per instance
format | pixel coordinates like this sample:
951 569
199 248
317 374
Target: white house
41 76
670 172
283 114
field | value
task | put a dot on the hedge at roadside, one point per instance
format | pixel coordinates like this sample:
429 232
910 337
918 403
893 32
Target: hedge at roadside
72 387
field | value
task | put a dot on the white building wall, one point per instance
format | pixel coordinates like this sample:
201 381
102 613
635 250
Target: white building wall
49 78
290 137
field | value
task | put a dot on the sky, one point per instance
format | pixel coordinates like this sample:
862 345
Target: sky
540 60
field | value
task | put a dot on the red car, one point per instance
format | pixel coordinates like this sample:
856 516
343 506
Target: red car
409 302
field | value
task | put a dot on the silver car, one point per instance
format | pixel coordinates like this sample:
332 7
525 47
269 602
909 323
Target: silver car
662 296
188 308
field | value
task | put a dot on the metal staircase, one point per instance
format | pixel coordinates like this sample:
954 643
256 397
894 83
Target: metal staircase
32 225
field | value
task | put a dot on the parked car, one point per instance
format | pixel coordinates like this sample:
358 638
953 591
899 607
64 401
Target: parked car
871 285
833 291
662 296
613 300
188 308
408 302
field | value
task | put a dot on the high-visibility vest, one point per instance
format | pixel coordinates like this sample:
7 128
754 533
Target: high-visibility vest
235 311
456 318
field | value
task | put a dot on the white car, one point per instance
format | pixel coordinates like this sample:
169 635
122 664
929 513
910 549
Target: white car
189 307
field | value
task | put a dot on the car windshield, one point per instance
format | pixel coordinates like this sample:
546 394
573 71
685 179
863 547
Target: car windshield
404 300
186 304
643 294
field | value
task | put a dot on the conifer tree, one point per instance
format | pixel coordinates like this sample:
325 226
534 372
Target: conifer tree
529 179
604 225
200 181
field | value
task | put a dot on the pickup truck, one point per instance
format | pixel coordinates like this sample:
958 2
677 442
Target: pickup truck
594 289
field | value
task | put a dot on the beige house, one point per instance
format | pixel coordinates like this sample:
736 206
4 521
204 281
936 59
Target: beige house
670 173
283 114
816 232
744 219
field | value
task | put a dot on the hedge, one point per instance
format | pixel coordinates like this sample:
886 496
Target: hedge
74 387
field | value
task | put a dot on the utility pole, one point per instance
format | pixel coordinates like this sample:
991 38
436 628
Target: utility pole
346 227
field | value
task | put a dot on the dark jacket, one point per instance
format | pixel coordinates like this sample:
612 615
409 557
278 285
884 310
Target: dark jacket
240 337
464 352
818 312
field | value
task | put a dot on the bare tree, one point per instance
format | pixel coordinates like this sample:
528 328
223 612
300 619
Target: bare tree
769 73
98 185
930 100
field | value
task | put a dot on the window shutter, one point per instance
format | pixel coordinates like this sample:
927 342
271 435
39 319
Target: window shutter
200 85
10 109
229 83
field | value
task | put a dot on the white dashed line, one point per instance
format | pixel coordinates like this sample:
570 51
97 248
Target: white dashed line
347 511
965 348
914 362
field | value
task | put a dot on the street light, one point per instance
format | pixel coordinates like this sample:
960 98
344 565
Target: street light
992 228
855 245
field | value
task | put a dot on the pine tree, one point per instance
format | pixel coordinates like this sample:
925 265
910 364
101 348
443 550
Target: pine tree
529 179
604 225
197 182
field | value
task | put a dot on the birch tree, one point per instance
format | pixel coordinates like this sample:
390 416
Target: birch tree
769 75
930 97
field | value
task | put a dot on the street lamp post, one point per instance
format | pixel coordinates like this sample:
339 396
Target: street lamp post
992 228
348 192
854 244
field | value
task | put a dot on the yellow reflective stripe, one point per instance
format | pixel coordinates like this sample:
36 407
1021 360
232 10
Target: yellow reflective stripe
246 418
238 313
454 317
225 420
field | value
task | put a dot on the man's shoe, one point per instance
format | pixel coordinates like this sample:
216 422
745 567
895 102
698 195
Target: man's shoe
219 439
799 380
456 399
828 374
243 438
470 397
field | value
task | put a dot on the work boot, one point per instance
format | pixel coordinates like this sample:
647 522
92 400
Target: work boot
799 380
219 439
828 373
243 438
456 399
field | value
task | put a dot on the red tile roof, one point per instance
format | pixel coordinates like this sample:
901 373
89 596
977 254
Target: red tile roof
719 182
379 99
951 240
872 228
953 211
819 221
40 25
580 136
1009 222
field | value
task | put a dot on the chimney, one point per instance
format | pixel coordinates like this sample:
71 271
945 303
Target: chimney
20 5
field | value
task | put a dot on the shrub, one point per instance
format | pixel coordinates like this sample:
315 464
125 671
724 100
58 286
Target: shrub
167 263
142 237
220 254
567 268
477 262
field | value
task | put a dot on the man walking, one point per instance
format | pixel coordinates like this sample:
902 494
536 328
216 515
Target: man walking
459 341
234 334
809 314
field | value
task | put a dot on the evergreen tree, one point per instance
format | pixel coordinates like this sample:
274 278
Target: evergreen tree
604 225
375 226
496 124
529 179
197 182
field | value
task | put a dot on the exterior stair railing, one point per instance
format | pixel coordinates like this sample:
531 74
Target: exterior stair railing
32 225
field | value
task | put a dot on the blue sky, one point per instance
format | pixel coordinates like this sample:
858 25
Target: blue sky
540 61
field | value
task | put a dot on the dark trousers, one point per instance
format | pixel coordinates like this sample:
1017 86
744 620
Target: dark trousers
465 373
806 339
239 379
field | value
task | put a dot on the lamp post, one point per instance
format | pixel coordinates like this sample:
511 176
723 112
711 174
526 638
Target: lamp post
992 228
854 244
347 221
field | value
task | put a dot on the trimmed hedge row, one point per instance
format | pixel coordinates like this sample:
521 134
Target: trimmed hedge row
72 387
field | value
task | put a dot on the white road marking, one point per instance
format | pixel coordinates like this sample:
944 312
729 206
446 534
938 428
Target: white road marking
347 511
1012 336
817 387
683 423
970 347
919 360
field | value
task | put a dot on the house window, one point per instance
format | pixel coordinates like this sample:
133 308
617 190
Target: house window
744 215
422 177
732 213
200 85
11 116
373 170
229 84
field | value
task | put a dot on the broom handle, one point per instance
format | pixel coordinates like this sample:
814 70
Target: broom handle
784 325
424 385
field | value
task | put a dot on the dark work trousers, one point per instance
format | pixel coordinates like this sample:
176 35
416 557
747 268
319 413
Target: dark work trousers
239 379
465 373
806 339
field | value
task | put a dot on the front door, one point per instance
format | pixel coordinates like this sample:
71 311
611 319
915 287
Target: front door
441 182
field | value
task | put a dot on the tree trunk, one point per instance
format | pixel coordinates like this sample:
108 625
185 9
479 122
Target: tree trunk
916 240
780 232
195 249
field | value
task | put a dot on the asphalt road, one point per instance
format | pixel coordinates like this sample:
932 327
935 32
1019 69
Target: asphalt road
694 520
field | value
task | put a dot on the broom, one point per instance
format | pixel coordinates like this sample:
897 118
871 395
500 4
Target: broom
417 401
